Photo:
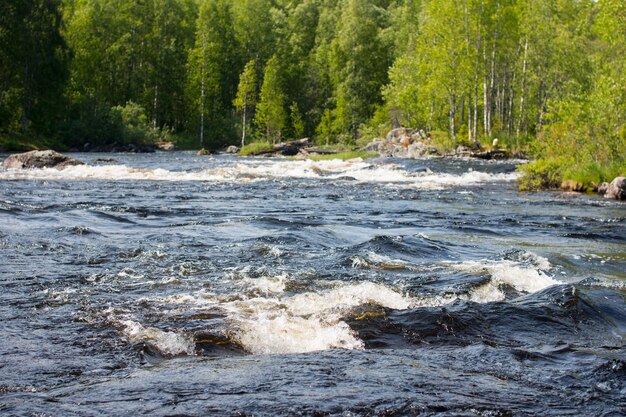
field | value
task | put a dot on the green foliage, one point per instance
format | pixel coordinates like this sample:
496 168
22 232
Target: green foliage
271 116
211 81
541 175
246 98
546 77
33 65
592 173
255 148
297 123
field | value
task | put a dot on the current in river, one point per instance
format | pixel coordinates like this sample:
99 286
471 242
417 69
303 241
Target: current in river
174 284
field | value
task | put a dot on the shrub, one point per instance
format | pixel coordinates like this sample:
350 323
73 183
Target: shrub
541 175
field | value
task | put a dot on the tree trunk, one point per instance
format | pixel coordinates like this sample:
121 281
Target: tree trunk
485 94
243 135
523 89
202 96
155 106
452 117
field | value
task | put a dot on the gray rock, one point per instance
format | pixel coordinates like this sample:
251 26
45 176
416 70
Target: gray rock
396 135
232 149
617 189
374 146
40 159
416 150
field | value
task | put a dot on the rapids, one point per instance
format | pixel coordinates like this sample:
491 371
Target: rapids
173 284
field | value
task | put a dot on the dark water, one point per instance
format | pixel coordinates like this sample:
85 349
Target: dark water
171 284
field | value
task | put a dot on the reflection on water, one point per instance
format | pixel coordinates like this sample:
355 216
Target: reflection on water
172 284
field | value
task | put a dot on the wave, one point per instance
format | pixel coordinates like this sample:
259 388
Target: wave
355 170
263 315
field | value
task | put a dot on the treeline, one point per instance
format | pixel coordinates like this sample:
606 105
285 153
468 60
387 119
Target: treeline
546 75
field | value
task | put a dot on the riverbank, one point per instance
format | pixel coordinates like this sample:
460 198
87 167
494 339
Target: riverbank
551 175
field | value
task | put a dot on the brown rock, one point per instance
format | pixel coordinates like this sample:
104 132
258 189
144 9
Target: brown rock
40 159
603 188
570 185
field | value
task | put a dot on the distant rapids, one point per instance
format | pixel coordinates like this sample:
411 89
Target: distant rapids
174 284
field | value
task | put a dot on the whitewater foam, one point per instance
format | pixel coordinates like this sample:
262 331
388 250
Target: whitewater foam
357 169
308 321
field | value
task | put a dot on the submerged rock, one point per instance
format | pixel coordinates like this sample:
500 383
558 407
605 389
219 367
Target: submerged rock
40 159
617 189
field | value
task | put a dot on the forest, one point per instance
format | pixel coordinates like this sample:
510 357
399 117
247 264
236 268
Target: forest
545 77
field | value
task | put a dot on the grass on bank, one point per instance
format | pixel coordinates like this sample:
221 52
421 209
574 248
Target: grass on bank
549 174
255 148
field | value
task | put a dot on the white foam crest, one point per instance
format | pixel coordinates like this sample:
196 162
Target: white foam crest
268 285
262 170
284 333
374 260
439 181
168 343
523 276
347 296
308 321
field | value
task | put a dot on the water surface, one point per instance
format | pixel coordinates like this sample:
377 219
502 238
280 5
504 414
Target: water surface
173 284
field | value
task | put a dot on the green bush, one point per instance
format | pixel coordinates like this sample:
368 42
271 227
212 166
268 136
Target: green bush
541 175
100 125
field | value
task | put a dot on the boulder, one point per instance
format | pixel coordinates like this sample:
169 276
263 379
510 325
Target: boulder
232 149
40 159
166 146
396 135
374 146
416 150
617 189
203 152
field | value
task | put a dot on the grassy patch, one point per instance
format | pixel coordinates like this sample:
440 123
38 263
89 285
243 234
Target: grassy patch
593 173
548 174
344 156
255 148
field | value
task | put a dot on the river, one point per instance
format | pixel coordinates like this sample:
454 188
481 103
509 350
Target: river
174 284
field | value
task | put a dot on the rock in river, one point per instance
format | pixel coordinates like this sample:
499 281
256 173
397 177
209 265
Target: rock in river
40 159
617 189
232 149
